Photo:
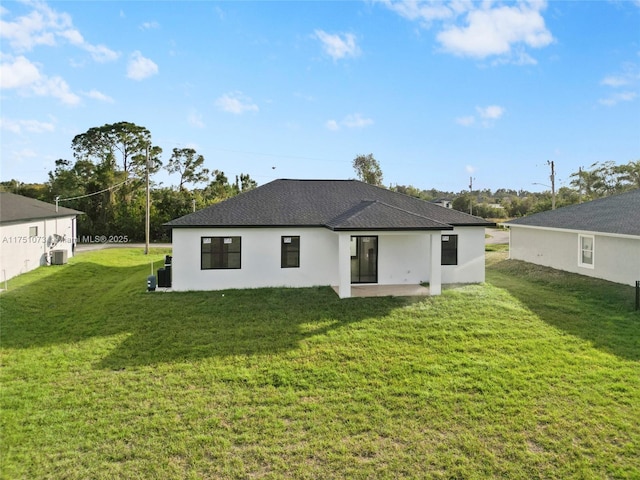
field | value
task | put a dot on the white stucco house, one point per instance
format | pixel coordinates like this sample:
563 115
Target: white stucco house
31 231
443 202
600 238
303 233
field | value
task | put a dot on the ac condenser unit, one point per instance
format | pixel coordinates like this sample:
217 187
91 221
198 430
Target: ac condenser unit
58 257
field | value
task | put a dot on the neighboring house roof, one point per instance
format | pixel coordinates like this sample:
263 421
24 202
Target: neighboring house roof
334 204
17 208
617 214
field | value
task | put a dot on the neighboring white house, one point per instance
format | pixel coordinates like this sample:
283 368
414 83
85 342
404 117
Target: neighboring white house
443 202
30 230
302 233
600 238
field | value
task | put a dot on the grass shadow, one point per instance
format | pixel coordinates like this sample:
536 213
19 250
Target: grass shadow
595 310
88 299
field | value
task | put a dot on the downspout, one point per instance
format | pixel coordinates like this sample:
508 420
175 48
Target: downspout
44 243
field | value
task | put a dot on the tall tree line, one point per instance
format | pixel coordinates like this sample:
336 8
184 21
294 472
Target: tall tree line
107 181
599 180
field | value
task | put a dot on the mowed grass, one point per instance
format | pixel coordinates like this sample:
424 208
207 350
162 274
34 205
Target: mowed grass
535 374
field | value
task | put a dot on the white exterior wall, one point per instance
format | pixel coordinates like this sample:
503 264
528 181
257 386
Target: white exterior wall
20 253
403 258
260 259
470 268
616 258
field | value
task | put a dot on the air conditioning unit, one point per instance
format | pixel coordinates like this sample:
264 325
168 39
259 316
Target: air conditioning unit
58 257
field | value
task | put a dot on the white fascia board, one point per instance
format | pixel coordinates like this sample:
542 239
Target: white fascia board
571 230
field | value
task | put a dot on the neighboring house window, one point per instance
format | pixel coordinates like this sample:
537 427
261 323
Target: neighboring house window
219 252
33 231
586 252
290 252
449 250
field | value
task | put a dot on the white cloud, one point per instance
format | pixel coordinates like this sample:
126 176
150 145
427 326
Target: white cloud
470 169
616 98
21 74
487 116
195 119
466 121
36 28
355 120
423 11
615 81
149 25
481 29
332 125
100 53
20 156
140 67
18 73
56 87
627 79
31 126
493 31
45 26
236 103
73 36
629 75
96 95
492 112
338 46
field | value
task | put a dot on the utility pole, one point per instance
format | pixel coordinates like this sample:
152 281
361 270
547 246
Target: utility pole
146 220
470 196
553 186
580 185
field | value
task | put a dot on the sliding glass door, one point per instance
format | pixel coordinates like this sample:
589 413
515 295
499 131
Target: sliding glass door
364 259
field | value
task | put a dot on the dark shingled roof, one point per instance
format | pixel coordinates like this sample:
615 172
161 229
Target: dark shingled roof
618 214
17 208
334 204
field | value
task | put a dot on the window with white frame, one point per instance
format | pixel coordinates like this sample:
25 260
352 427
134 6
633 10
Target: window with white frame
586 245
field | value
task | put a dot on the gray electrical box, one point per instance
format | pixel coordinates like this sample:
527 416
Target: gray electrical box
58 257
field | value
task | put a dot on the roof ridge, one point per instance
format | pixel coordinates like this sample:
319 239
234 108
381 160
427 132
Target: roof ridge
351 211
406 211
364 205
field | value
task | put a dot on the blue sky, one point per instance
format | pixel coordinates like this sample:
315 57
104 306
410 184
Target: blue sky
437 91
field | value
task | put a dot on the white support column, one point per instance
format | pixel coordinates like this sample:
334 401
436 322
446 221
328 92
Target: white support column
435 276
344 265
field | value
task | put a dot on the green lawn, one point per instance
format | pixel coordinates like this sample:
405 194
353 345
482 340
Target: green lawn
535 374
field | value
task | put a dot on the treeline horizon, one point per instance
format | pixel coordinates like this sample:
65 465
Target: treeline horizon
107 181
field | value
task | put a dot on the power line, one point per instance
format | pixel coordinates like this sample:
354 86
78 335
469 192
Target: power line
58 199
295 157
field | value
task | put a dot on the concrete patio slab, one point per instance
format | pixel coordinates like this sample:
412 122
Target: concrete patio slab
387 290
